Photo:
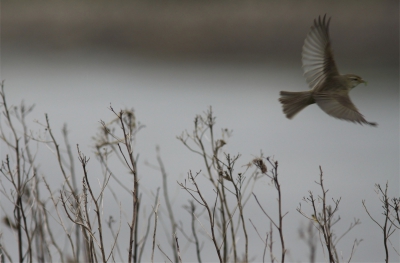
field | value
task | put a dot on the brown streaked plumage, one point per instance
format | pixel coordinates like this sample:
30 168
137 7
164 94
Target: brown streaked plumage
328 89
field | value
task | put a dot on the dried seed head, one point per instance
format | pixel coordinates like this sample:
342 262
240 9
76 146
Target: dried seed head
260 164
220 143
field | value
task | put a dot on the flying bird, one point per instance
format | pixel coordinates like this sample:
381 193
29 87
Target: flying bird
328 89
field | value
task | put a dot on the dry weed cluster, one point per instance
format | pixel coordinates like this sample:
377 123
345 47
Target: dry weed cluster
68 224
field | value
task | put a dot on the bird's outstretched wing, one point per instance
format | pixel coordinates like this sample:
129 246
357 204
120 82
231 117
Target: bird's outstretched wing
317 56
341 107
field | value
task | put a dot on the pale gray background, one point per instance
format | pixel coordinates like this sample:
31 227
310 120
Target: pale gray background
172 61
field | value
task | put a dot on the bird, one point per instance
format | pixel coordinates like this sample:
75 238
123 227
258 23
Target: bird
328 88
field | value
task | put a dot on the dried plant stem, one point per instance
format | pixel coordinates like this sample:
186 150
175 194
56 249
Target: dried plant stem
155 210
159 247
127 141
279 225
71 187
168 203
238 194
19 185
324 221
211 212
74 182
177 248
144 239
59 158
84 160
192 210
387 225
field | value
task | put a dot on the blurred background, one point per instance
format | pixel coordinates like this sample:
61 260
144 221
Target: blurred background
171 60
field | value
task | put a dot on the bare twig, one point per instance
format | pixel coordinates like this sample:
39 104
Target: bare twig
324 220
203 202
128 128
309 237
159 247
155 209
168 203
259 162
177 247
143 241
387 225
192 210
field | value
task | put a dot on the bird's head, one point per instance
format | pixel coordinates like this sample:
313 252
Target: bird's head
354 80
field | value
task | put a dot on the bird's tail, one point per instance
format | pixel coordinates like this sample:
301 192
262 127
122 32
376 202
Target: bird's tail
294 102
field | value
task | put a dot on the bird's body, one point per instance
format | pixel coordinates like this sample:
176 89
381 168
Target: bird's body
328 89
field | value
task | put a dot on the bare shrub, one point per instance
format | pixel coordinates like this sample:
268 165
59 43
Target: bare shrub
70 223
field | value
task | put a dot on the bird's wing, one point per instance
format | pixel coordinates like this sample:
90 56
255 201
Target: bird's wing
317 56
341 107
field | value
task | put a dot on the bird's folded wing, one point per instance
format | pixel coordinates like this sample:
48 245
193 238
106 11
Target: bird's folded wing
341 107
317 55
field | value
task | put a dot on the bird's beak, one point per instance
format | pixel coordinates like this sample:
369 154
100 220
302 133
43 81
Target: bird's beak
365 82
